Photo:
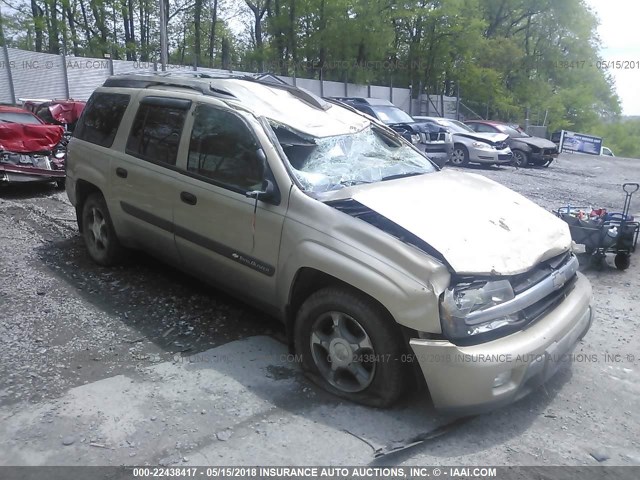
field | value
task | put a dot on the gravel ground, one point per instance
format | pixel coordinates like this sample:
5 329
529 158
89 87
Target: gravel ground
144 365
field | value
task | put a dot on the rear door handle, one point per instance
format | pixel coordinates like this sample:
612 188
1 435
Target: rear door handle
121 172
189 198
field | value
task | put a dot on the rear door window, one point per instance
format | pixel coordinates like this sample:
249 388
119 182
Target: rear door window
157 128
101 118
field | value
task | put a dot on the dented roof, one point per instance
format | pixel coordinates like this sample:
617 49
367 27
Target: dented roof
282 103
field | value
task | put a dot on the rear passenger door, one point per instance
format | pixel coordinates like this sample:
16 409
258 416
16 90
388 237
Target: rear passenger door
217 232
144 178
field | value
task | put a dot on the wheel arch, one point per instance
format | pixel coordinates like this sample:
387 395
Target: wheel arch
83 190
309 280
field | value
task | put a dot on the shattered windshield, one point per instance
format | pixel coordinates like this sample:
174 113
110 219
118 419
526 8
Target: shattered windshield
331 163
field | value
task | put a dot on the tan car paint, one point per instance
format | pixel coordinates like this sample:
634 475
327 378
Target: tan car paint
303 232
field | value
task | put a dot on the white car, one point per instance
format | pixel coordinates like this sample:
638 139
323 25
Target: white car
606 151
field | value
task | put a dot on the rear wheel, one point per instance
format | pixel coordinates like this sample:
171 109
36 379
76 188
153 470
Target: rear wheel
520 158
351 347
460 156
98 232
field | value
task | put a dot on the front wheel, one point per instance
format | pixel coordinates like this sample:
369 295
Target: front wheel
460 156
520 158
98 232
351 347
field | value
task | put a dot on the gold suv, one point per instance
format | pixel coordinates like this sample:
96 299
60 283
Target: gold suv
379 264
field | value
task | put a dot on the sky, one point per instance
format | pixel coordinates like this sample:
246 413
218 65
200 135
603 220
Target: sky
620 35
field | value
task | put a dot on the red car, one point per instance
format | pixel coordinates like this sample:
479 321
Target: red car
57 112
30 150
527 150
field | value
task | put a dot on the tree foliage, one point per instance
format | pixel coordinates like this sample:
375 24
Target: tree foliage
504 57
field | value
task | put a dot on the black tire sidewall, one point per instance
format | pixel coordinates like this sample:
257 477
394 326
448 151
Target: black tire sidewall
389 380
622 261
465 155
113 252
524 156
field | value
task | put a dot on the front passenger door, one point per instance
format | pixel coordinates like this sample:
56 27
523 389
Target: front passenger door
217 232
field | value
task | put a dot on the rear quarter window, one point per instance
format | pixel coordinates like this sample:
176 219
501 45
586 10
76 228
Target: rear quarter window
101 118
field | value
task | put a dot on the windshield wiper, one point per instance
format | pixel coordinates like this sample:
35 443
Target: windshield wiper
401 175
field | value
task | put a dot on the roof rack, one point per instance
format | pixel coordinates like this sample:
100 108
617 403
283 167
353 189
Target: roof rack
198 81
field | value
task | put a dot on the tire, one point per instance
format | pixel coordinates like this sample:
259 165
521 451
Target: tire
622 261
341 327
98 232
460 156
520 158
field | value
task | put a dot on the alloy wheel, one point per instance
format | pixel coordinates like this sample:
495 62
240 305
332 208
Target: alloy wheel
342 351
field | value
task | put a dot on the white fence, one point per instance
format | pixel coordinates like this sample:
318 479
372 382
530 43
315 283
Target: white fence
25 74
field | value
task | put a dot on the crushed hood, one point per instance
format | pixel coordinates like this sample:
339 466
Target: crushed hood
537 142
24 138
492 138
418 127
479 226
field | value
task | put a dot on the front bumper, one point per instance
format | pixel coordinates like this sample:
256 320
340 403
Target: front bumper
17 174
491 157
544 156
461 379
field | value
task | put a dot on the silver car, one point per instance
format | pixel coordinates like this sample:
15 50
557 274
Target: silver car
474 147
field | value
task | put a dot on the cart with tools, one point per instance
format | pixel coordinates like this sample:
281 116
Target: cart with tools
602 232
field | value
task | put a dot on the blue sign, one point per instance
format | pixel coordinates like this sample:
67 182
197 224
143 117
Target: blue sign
580 143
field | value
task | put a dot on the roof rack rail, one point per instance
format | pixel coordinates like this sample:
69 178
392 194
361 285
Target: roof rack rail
197 81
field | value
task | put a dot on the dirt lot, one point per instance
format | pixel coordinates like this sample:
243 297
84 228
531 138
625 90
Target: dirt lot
144 365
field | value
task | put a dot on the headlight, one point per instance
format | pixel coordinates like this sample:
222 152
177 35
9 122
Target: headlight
460 303
415 138
483 146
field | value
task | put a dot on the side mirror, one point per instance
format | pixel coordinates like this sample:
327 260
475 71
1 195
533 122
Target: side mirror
267 193
262 159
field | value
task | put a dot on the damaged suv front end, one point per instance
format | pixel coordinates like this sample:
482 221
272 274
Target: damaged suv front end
503 338
501 302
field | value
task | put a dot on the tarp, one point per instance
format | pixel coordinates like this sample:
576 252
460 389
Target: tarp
23 138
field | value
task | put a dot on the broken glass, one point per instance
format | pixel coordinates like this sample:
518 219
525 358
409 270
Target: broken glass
341 161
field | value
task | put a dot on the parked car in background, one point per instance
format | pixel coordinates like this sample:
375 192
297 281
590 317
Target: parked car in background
434 140
30 150
527 150
606 151
332 223
473 147
56 112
